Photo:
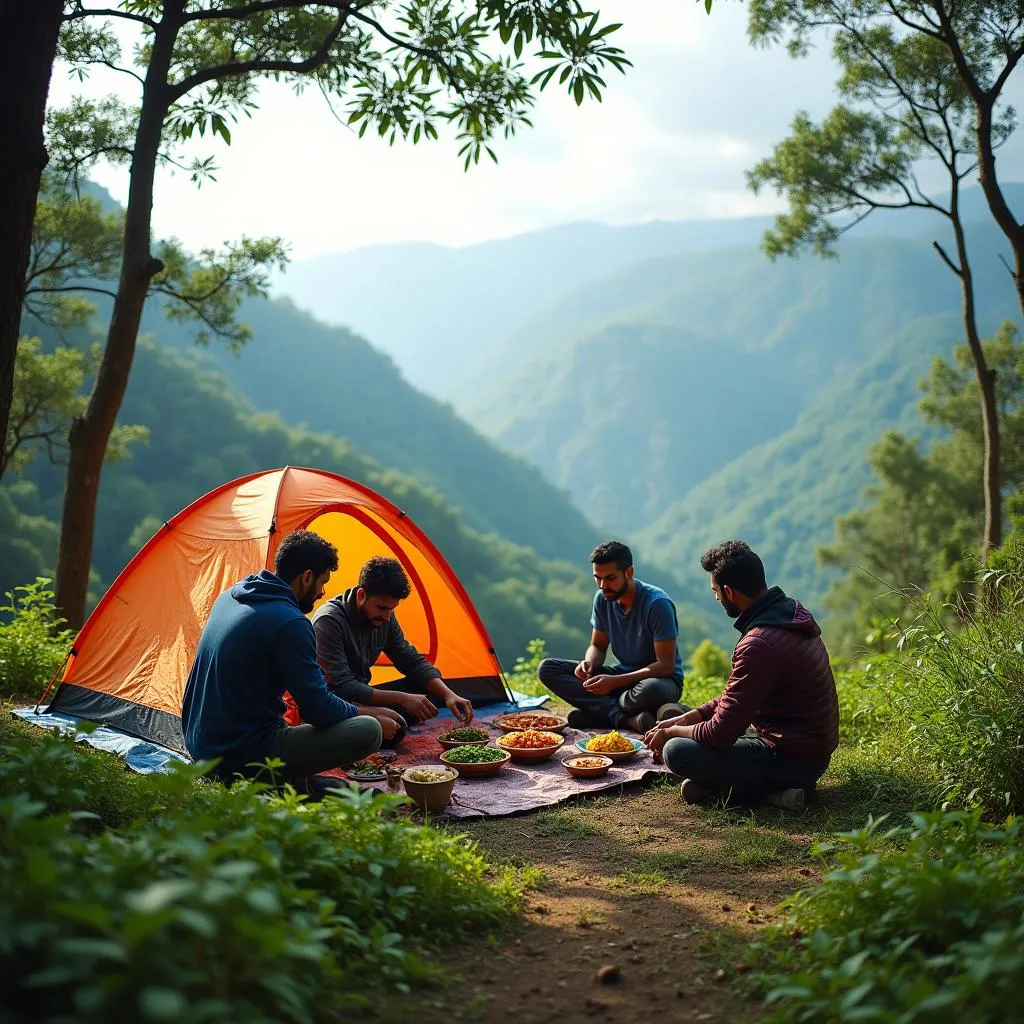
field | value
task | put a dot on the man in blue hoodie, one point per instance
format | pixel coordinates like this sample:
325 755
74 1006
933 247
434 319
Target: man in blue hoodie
256 644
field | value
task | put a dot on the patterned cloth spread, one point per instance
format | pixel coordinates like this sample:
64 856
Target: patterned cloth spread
520 785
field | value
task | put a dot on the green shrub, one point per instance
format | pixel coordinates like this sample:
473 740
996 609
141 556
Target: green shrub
921 924
217 906
523 677
709 661
961 696
867 708
33 643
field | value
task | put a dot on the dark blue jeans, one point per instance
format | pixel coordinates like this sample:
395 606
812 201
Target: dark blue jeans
559 676
748 767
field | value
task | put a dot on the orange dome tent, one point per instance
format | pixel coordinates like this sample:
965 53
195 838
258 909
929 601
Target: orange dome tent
129 663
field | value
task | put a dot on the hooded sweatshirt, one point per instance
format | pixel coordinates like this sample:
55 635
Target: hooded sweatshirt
256 644
348 648
781 683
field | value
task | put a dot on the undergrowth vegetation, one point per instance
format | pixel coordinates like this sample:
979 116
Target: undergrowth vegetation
924 920
919 923
33 642
166 898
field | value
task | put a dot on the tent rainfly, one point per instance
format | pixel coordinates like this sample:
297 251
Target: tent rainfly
129 663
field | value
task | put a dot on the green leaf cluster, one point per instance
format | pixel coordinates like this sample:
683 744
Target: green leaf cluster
33 644
217 906
402 69
914 924
904 101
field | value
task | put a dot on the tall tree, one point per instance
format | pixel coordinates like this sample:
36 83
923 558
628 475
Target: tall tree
28 43
403 68
905 102
913 533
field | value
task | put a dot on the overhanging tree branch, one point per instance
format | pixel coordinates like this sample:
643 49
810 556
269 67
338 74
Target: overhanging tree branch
85 12
250 67
250 10
945 259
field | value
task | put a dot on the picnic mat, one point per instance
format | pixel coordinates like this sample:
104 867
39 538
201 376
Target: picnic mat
146 757
519 786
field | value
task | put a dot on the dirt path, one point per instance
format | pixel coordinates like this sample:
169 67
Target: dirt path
636 882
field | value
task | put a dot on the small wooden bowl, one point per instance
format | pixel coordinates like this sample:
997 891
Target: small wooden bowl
531 753
476 769
431 796
452 744
581 772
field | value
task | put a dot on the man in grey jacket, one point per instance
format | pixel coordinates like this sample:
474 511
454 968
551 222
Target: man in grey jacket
356 627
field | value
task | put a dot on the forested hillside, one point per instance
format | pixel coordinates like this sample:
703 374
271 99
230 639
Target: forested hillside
636 388
439 311
333 381
783 495
203 433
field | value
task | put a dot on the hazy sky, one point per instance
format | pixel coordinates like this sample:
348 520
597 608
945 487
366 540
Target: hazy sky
671 140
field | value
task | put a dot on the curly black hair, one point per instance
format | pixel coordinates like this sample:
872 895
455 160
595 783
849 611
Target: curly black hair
733 564
612 551
302 550
384 577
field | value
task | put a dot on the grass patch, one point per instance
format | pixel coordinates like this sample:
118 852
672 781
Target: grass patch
567 822
757 847
588 919
639 881
671 862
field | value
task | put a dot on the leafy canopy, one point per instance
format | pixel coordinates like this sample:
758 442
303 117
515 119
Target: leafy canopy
402 69
906 97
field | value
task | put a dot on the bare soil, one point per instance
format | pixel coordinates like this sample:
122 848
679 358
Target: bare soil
642 912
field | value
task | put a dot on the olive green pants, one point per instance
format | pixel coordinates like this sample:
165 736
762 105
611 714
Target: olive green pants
307 750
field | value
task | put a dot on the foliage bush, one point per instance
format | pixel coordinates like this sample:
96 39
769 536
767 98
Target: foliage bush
709 661
33 642
218 906
920 924
523 677
961 696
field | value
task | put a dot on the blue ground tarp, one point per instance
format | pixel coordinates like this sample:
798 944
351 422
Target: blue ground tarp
146 758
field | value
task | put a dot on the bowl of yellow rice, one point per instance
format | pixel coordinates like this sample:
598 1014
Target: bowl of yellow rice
611 744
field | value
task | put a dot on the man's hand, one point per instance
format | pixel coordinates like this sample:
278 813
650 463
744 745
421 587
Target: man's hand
418 705
656 739
391 722
461 708
583 671
601 686
691 717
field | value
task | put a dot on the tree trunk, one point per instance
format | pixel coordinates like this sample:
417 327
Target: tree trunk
28 45
88 437
1001 212
992 536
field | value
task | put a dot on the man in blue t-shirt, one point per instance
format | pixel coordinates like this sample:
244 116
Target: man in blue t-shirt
639 623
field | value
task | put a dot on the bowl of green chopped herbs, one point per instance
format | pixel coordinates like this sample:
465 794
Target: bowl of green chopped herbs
463 735
472 761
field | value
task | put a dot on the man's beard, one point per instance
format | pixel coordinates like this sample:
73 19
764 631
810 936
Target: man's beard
614 595
730 609
308 600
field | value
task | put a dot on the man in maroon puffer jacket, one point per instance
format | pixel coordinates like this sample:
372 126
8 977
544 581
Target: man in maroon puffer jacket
781 683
